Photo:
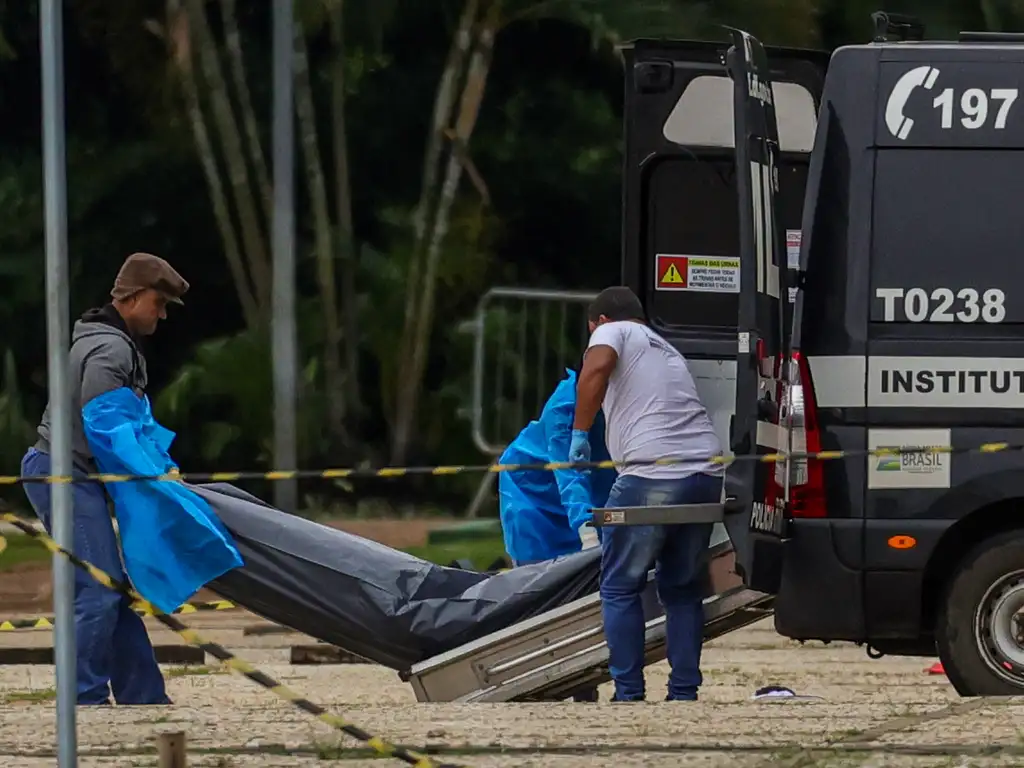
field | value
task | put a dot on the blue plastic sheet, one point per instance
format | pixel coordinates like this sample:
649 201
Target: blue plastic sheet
173 543
541 511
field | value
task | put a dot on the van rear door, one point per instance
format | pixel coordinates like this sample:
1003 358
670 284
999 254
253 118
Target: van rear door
684 253
756 529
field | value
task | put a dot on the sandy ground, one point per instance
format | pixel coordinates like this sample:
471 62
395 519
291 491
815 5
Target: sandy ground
873 713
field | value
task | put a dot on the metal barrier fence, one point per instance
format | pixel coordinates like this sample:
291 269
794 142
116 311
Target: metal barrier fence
524 340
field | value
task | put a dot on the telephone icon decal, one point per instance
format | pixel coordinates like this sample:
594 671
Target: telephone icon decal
899 125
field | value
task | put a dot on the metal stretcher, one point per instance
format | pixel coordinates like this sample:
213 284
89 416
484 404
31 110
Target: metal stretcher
551 656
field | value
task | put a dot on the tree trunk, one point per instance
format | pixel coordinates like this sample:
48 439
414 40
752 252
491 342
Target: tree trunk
444 103
322 227
252 236
233 43
179 40
469 110
343 203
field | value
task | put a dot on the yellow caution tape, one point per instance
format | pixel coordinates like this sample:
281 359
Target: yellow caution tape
376 743
456 469
46 622
39 622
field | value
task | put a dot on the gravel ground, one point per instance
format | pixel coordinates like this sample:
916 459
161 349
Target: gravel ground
872 713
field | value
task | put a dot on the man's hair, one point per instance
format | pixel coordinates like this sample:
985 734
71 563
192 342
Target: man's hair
616 303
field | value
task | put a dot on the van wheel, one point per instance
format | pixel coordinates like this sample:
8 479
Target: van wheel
980 630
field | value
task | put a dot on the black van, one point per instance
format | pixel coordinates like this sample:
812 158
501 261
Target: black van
873 310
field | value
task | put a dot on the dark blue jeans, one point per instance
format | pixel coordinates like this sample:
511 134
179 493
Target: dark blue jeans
113 648
629 552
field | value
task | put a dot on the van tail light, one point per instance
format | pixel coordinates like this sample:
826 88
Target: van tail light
798 414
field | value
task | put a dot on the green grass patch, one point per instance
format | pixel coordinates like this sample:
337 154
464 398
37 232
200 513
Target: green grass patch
466 531
22 549
195 671
481 552
28 697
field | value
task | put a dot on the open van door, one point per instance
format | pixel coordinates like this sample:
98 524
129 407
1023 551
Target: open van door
757 530
688 250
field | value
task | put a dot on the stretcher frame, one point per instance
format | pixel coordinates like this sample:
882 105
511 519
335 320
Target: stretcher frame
553 655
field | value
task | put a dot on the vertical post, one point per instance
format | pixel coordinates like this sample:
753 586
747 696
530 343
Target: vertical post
283 232
51 34
171 750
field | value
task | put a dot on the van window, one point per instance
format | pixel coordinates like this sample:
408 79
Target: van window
692 215
691 239
703 116
948 237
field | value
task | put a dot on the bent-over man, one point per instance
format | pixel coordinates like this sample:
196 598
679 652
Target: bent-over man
652 411
543 512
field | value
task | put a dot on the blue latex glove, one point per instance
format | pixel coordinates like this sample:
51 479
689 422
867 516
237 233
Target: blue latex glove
579 448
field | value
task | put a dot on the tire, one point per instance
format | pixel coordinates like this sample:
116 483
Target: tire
980 641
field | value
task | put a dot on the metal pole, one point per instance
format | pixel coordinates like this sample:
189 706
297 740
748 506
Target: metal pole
283 322
51 35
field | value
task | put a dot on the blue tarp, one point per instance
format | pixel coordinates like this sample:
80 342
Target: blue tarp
173 543
541 511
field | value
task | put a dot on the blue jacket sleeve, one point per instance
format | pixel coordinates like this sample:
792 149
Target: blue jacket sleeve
573 484
173 542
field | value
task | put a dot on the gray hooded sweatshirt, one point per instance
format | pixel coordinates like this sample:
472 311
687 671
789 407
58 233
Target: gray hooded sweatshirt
103 357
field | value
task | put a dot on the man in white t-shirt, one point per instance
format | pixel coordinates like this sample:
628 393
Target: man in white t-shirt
652 411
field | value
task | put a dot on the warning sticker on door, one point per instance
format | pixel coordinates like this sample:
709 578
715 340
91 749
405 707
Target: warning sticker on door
709 274
794 238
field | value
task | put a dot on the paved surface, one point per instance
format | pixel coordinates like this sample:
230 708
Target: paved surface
873 713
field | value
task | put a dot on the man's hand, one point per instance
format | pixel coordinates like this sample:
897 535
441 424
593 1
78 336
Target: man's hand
588 536
579 448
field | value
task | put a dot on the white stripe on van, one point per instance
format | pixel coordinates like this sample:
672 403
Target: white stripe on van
839 380
881 381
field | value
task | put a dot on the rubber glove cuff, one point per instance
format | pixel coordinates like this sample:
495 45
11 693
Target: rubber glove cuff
579 448
588 537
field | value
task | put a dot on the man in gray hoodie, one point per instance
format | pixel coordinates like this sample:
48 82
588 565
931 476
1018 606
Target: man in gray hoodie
114 650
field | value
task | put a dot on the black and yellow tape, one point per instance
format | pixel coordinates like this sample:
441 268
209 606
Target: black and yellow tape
46 622
457 469
231 661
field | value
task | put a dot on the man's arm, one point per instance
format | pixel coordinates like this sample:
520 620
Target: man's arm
573 487
106 368
598 364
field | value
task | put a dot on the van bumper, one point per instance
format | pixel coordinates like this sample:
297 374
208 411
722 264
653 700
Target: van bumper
820 597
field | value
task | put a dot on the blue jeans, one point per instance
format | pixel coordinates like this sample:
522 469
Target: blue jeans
629 552
113 648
